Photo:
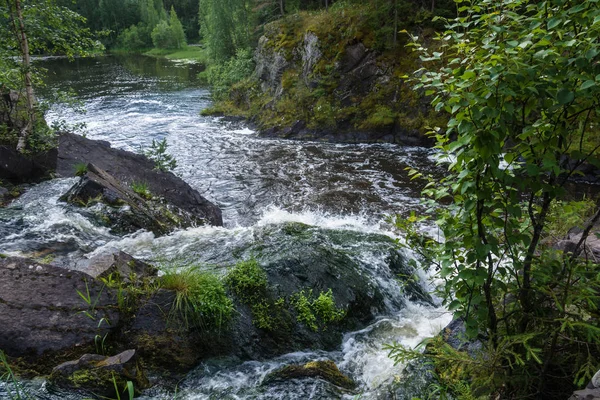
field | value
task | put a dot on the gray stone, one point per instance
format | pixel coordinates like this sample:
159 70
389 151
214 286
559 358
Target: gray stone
117 262
41 310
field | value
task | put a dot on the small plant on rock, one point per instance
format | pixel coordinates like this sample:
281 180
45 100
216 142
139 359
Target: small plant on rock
200 299
80 169
316 312
158 153
141 189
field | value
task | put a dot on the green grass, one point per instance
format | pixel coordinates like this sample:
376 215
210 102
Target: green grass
141 189
80 169
6 374
200 299
191 53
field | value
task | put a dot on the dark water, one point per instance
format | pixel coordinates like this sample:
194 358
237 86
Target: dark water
257 182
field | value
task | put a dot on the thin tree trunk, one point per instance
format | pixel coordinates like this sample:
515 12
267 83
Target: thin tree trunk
282 7
27 74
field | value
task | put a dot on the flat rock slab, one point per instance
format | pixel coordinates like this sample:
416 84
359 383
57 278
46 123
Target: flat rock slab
129 167
41 311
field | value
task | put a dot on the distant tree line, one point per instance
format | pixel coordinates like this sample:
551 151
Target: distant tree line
130 23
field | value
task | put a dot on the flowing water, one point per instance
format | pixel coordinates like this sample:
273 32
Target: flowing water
257 183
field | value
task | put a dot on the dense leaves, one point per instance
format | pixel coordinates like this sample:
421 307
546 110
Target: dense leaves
521 82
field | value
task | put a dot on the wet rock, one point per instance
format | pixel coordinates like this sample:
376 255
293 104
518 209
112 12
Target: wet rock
591 392
590 249
161 341
101 375
18 168
324 369
270 66
297 258
125 211
127 167
411 281
118 264
43 314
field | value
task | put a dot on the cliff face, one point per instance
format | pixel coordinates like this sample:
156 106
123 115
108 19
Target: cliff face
322 76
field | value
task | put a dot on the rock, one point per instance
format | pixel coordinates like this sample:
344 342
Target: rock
324 369
590 249
270 65
295 258
117 263
161 341
595 382
18 168
411 281
125 210
586 394
311 54
101 375
127 167
43 312
591 392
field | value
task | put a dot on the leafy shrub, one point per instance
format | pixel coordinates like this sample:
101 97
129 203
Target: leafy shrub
136 37
222 76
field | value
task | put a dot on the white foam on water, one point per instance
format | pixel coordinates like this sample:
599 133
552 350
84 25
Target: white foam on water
353 222
364 355
244 131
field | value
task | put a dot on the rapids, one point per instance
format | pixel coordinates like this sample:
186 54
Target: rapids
257 182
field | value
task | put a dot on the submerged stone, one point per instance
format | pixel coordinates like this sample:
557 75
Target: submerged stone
324 369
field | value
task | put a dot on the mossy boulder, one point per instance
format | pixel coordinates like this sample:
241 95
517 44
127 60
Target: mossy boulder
324 369
101 376
122 209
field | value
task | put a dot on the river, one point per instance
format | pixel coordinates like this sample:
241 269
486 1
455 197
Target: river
130 101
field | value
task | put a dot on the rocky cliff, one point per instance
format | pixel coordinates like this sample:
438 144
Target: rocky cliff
324 76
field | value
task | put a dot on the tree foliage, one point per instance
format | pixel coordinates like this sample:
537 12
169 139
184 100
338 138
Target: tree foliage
34 27
521 82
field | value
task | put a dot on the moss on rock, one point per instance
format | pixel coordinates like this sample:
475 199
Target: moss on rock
324 369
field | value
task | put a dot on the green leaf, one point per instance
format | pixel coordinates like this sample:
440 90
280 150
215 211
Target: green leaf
565 96
554 22
587 85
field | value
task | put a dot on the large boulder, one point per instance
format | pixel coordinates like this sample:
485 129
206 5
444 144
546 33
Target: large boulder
127 167
124 210
46 311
